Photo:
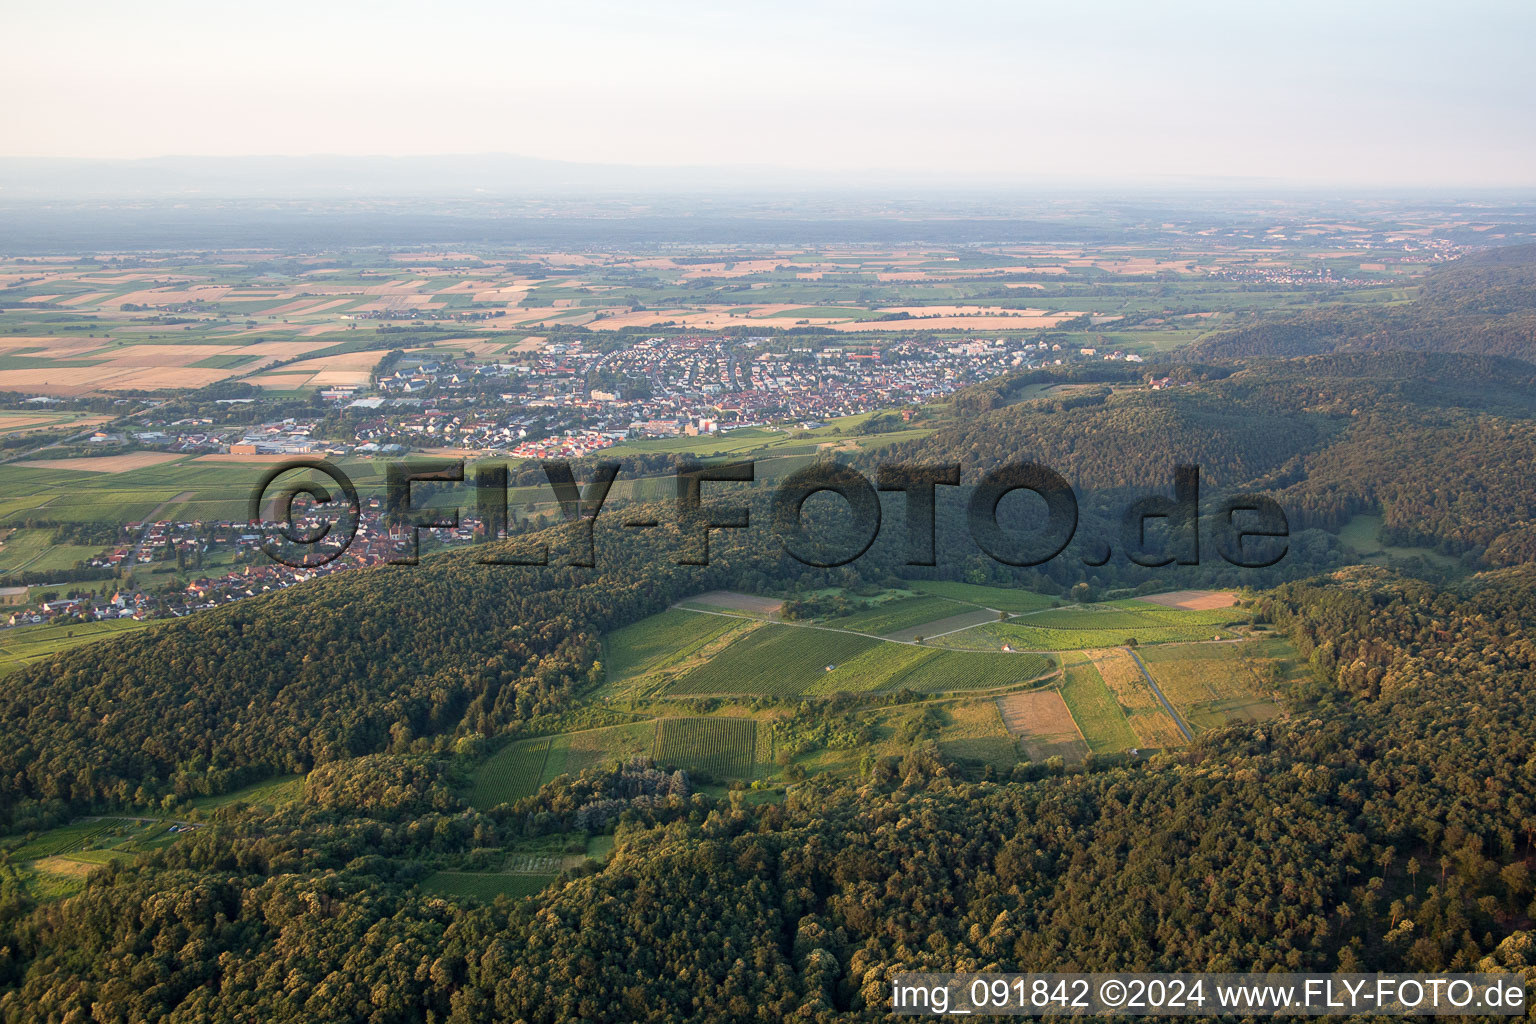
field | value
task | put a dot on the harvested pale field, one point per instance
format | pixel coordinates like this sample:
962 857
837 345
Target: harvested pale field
149 354
65 866
711 319
281 349
17 420
170 296
156 378
1022 322
54 348
253 460
107 463
412 287
749 603
88 297
1043 723
365 360
394 303
736 268
1193 600
1124 679
70 381
925 311
510 295
530 345
304 306
341 378
281 381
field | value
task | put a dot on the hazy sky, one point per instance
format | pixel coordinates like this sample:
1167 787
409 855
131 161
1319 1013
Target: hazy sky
1395 92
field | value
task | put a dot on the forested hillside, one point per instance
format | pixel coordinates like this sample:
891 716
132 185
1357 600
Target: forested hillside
1388 826
1483 304
1440 444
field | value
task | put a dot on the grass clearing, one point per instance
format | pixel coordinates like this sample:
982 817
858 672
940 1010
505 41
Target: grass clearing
973 730
280 790
483 885
573 753
1149 719
1094 708
1215 685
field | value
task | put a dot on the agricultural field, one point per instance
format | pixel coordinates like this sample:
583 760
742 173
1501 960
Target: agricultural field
78 847
484 885
1148 718
1094 707
575 752
510 774
1215 685
774 660
949 671
1067 629
787 661
664 646
34 550
722 748
974 731
1043 724
737 604
902 613
88 490
880 666
24 644
1004 599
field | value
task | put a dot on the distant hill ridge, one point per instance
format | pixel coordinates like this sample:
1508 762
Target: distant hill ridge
1484 303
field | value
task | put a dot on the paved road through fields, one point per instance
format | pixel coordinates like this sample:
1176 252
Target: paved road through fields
1153 683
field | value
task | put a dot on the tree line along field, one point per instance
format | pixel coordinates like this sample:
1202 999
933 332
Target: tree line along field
724 748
